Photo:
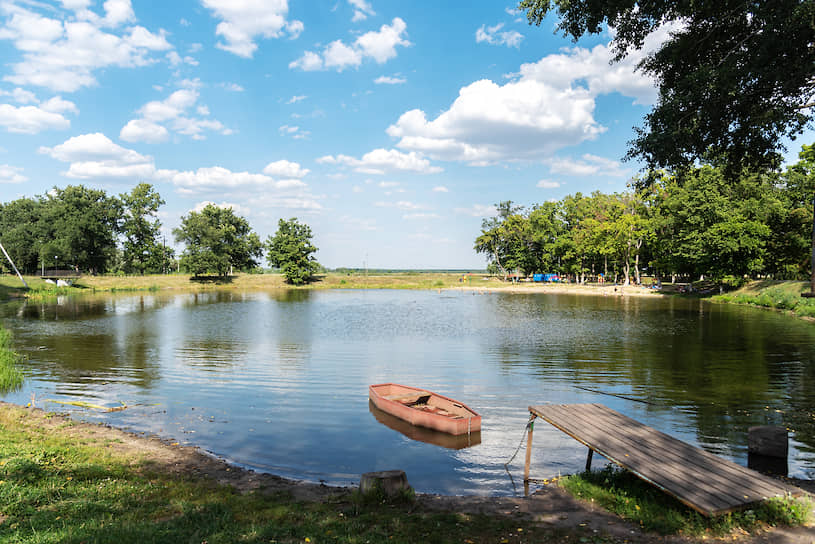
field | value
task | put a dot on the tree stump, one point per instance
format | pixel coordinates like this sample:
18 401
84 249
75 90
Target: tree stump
388 482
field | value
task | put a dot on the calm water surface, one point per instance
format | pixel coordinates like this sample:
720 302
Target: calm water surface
278 381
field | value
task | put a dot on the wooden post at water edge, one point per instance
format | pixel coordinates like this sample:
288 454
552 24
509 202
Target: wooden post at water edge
531 426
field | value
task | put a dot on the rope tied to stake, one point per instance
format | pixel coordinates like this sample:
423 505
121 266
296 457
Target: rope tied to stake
529 425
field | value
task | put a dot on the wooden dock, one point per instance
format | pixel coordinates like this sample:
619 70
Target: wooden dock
703 481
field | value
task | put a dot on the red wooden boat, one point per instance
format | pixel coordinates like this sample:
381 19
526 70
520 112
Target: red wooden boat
425 408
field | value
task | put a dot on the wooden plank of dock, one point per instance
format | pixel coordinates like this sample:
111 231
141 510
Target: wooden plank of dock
703 481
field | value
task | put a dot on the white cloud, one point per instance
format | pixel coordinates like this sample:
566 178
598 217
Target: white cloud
388 184
296 98
245 20
285 169
11 174
590 165
390 80
234 87
21 96
379 161
403 205
548 184
377 45
362 10
94 156
294 131
142 130
237 208
441 189
175 59
62 54
547 106
492 36
477 210
413 216
173 111
31 119
57 105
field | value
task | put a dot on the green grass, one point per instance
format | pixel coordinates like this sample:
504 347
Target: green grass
623 493
784 296
11 378
59 486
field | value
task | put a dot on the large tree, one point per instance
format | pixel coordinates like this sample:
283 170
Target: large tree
291 250
217 240
80 226
735 77
141 250
21 233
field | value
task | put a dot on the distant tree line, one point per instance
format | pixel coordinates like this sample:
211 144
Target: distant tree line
706 222
89 231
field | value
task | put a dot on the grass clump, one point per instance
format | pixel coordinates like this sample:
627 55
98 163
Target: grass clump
626 495
11 378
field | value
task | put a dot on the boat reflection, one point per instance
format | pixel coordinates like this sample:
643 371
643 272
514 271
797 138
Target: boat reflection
421 434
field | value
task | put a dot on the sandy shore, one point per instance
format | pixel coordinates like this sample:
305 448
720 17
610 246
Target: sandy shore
609 290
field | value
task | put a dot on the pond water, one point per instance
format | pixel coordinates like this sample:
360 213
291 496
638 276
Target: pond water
277 381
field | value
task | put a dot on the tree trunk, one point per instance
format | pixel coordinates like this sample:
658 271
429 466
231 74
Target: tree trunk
812 262
638 245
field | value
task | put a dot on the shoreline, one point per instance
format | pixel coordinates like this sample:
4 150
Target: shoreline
550 507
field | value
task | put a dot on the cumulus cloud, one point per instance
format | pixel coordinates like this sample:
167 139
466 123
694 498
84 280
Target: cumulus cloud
548 184
62 54
11 174
380 46
493 36
296 98
142 130
237 208
403 205
379 161
175 112
242 22
588 165
45 115
294 131
285 169
441 189
546 106
95 156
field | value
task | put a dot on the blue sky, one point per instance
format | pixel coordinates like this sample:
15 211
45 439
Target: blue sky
391 128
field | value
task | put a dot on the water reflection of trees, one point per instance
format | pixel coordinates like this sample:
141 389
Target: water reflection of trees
724 368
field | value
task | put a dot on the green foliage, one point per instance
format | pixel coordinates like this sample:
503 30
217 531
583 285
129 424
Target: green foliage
291 250
11 378
708 223
217 240
721 96
624 494
781 297
142 253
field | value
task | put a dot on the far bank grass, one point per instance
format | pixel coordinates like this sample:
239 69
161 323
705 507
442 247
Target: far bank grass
779 295
60 486
11 286
626 495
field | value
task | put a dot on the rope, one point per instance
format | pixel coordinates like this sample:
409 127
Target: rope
521 443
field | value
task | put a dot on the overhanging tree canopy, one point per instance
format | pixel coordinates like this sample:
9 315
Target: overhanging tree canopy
735 78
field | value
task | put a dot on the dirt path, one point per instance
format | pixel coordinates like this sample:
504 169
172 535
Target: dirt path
550 506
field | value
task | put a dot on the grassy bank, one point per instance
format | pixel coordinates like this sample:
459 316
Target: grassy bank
779 295
59 483
629 497
11 286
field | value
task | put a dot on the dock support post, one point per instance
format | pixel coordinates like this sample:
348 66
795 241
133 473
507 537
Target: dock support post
588 459
531 425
